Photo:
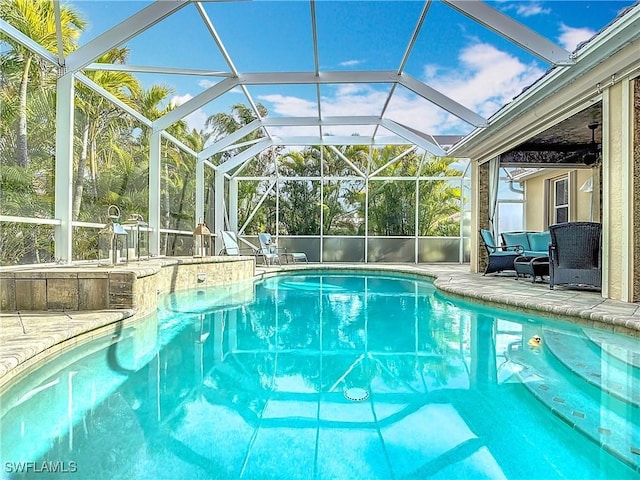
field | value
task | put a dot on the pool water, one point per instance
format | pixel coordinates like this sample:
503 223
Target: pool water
330 376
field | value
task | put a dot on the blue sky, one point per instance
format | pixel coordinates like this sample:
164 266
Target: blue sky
452 54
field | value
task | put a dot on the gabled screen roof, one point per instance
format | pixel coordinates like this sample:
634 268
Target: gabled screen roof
408 69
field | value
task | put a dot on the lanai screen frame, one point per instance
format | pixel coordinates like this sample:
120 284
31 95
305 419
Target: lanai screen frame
417 255
70 69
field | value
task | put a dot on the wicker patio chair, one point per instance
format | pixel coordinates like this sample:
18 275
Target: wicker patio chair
500 257
576 254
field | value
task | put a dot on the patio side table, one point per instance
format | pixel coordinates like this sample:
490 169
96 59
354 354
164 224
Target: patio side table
533 266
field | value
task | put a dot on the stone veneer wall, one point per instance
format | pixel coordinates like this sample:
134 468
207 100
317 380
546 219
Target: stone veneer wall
135 286
483 212
635 204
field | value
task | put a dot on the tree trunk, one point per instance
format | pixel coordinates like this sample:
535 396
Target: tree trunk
167 214
183 193
93 169
78 187
22 156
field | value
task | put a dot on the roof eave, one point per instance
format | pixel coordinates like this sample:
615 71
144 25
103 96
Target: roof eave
480 144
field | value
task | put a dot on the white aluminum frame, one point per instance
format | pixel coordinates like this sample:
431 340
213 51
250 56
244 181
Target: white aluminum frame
71 67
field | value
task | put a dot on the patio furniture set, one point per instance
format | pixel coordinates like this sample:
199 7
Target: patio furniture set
568 253
268 251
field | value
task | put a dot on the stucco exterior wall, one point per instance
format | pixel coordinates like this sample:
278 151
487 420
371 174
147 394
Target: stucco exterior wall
615 205
580 202
534 205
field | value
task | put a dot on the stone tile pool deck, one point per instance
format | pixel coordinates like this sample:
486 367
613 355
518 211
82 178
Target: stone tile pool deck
26 335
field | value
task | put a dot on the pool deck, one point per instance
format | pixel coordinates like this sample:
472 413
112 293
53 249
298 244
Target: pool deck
23 336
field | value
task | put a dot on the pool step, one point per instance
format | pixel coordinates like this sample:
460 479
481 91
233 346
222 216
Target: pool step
625 349
603 426
578 353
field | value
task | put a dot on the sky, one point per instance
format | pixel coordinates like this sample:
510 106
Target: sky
452 54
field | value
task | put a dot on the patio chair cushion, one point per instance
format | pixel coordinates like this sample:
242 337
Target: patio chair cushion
298 257
534 244
487 238
539 242
516 238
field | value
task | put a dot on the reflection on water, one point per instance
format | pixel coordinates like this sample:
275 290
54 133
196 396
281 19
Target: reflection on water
248 382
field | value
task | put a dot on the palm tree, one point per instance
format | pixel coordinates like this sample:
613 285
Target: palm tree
223 124
153 103
341 198
184 180
20 243
99 117
392 202
36 19
249 192
439 200
300 199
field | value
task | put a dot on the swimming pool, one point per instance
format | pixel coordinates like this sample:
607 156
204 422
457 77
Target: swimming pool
322 375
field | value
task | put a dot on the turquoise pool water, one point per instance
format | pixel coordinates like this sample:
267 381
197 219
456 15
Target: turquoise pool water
330 376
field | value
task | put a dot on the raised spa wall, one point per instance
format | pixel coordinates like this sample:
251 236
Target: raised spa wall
135 286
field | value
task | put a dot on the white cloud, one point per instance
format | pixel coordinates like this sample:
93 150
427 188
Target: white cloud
196 119
531 10
345 100
415 112
571 37
350 63
525 9
178 100
484 79
206 84
289 106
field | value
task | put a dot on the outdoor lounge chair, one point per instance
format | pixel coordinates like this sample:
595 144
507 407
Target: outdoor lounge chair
231 247
267 244
576 254
268 251
500 257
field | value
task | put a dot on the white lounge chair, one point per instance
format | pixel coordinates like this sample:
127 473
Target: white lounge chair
231 247
267 245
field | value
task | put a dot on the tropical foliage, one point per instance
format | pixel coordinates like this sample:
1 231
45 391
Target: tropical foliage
336 198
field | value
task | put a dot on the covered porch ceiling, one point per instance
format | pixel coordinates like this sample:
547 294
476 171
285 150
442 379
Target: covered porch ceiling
575 141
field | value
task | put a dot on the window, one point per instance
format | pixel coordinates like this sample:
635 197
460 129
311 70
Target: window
561 200
510 212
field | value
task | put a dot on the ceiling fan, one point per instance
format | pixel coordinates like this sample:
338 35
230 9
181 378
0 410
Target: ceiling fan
592 155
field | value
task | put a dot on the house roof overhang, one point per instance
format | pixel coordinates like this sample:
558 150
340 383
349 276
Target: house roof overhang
561 93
